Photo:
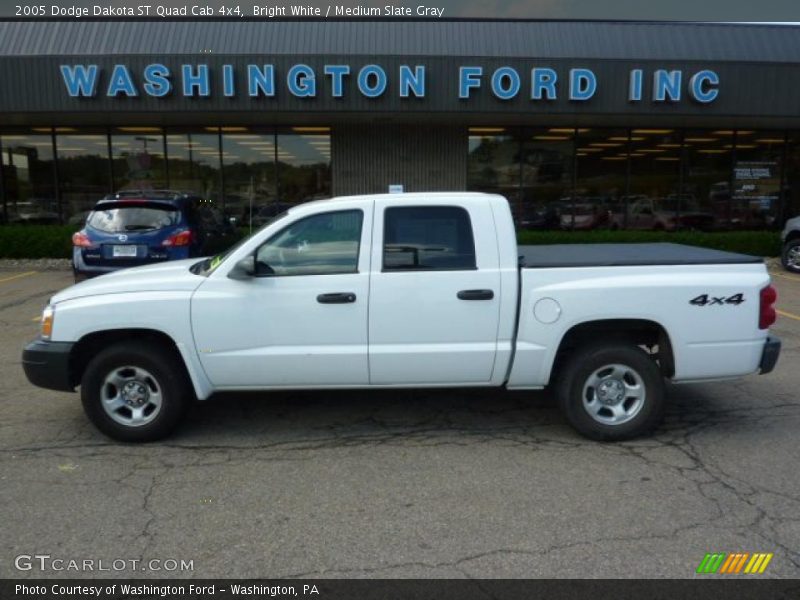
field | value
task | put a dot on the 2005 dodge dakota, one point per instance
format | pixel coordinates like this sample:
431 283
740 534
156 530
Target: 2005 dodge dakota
408 290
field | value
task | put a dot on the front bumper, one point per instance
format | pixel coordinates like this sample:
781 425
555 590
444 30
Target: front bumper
769 357
46 365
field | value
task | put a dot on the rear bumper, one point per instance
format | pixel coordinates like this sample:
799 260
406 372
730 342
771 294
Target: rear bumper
769 357
46 365
103 265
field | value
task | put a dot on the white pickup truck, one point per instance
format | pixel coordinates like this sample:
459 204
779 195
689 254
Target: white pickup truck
408 290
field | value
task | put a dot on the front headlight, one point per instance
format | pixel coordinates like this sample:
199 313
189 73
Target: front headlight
48 315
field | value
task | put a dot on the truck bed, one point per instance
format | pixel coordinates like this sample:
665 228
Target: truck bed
626 255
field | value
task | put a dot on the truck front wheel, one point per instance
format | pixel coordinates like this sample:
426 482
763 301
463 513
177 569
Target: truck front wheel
135 391
611 392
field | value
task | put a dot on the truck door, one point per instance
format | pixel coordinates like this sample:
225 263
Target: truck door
434 293
302 320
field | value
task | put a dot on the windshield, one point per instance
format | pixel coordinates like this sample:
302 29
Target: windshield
207 266
118 218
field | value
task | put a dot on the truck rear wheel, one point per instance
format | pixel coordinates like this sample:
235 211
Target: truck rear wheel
612 391
135 392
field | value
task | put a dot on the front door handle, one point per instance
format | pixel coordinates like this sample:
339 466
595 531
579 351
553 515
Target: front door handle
475 295
340 298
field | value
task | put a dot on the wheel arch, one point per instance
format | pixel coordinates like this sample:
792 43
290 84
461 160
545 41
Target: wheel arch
640 332
793 235
91 343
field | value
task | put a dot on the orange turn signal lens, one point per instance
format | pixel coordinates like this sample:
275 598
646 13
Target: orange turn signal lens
47 322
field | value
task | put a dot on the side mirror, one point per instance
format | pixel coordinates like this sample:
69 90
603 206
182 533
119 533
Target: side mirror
244 269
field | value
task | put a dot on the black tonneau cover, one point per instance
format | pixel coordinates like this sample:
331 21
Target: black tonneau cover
626 255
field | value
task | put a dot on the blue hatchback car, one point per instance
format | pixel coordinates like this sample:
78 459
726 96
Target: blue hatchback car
135 228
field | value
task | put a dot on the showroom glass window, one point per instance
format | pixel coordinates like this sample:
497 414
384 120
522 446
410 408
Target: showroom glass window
84 173
304 164
707 174
654 200
546 172
493 164
29 178
138 158
194 162
248 160
601 167
758 160
792 177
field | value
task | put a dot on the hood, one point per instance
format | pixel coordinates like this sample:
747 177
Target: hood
173 276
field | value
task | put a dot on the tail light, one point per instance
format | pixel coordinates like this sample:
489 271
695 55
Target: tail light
81 240
766 312
182 238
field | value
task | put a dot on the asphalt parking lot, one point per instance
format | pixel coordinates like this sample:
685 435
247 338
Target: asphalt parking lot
409 484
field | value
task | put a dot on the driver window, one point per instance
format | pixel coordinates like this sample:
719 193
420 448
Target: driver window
321 244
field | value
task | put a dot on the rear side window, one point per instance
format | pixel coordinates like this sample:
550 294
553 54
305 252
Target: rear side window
119 218
433 238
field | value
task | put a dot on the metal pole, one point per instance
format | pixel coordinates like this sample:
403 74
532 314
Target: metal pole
221 171
3 185
627 182
55 178
251 205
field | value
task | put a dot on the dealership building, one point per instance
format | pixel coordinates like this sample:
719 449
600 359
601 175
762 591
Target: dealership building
578 124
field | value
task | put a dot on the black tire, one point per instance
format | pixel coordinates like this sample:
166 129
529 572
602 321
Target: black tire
789 262
580 367
167 377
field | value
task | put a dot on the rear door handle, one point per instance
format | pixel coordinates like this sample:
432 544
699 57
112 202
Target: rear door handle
340 298
475 295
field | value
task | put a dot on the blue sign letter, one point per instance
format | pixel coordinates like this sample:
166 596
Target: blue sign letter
227 81
80 80
260 81
301 82
155 80
380 81
582 84
701 86
543 84
412 82
468 78
121 82
192 81
337 73
666 83
635 86
500 89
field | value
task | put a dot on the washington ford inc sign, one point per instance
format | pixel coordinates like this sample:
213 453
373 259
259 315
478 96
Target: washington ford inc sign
372 81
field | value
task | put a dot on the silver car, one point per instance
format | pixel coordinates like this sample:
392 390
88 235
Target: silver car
790 236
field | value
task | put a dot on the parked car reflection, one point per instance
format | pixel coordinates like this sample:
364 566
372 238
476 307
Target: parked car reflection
661 214
585 212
